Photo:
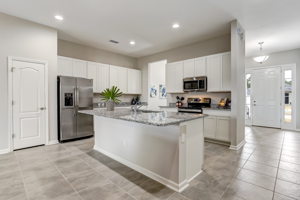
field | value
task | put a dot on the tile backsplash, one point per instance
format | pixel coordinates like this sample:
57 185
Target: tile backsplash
215 97
123 98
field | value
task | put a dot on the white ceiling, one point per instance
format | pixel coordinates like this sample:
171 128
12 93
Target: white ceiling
148 22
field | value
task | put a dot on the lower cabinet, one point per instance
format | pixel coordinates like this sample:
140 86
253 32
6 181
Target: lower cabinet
216 127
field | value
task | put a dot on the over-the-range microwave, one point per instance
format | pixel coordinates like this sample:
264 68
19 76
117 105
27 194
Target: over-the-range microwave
195 84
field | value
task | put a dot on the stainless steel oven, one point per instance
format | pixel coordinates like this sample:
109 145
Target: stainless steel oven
195 84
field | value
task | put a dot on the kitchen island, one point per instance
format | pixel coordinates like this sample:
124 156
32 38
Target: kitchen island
165 146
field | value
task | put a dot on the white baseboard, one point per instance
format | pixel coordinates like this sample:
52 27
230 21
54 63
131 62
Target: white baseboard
4 151
169 183
52 142
237 147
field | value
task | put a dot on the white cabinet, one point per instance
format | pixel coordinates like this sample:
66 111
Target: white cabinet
80 68
210 127
217 127
188 68
103 77
100 75
65 66
200 66
222 132
72 67
118 77
219 73
226 72
134 81
92 74
174 77
214 73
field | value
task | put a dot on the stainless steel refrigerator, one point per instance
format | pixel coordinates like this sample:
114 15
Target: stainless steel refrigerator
74 94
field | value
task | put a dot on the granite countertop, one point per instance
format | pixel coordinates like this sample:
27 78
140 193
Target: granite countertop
156 118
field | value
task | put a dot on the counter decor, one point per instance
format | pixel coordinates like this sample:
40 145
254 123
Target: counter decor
110 96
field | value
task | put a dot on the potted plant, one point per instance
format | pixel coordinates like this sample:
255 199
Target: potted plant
110 96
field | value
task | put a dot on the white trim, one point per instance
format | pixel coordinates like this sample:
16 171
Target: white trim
169 183
4 151
237 147
10 85
51 142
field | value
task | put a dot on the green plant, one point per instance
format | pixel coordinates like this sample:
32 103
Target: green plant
111 94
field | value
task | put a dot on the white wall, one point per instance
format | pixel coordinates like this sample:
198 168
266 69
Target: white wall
237 123
280 58
156 76
22 38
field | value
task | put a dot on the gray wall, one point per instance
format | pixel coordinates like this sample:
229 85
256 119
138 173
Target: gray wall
22 38
203 48
280 58
73 50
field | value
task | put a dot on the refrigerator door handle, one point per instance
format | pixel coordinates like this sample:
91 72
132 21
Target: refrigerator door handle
76 97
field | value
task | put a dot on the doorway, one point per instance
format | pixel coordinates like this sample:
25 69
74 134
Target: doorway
28 94
271 97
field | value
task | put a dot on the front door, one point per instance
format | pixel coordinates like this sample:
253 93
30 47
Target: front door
29 105
266 97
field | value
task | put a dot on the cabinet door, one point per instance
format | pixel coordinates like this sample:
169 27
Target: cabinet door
113 76
200 67
80 68
214 73
174 77
134 81
92 70
188 68
222 132
123 79
226 72
210 125
65 66
118 77
103 77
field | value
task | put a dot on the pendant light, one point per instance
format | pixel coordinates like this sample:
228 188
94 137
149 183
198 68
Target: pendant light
262 58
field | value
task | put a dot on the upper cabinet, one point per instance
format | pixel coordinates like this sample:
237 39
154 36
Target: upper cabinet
80 68
200 66
213 68
216 67
218 70
226 72
118 77
103 75
65 66
134 81
100 75
174 77
72 67
188 68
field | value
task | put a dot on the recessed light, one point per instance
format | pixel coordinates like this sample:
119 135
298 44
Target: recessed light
132 42
175 25
59 17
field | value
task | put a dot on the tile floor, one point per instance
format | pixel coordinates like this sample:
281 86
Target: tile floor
267 167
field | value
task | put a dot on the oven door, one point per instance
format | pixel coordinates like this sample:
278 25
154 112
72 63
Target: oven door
190 84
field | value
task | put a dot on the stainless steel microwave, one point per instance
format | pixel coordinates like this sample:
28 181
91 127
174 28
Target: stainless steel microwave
195 84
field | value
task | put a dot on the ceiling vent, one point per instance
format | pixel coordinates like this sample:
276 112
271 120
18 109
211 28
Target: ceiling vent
114 41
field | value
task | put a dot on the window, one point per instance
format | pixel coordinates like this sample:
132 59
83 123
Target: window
288 96
248 98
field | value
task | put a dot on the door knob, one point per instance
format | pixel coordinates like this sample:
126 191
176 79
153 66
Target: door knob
43 108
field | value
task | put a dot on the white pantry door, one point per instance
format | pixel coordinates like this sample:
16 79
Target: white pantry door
266 97
28 94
